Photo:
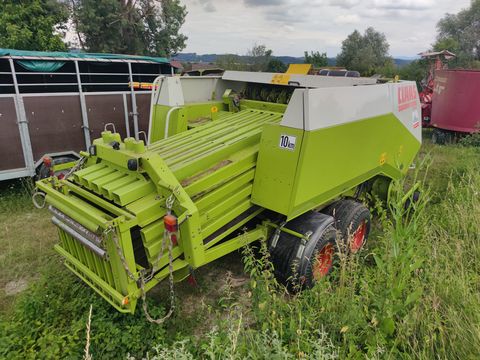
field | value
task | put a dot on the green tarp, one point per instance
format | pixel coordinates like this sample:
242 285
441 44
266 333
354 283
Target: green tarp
45 65
40 65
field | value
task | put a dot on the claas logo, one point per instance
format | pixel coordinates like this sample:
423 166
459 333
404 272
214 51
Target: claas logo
407 97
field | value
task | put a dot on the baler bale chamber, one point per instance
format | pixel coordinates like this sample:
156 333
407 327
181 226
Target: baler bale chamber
280 158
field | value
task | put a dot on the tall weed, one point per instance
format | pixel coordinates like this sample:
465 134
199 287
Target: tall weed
412 293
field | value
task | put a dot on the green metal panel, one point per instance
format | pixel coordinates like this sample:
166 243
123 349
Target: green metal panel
276 169
329 162
188 116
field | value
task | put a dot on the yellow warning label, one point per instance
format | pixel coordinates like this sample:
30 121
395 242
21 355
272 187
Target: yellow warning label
299 69
281 79
383 158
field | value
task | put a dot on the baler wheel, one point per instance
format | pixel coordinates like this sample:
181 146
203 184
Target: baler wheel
300 263
352 220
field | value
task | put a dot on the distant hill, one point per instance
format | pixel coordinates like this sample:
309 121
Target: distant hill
211 58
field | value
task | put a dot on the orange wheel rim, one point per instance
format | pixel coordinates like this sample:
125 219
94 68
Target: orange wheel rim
358 238
323 262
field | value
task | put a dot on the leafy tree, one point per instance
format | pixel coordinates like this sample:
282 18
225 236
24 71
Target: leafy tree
416 71
32 24
316 59
276 66
144 27
259 57
364 53
230 62
460 33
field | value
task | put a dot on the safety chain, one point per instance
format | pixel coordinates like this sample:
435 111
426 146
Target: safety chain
75 167
142 280
109 230
168 205
166 234
41 194
172 293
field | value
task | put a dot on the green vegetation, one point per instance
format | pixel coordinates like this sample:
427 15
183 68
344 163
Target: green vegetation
456 33
412 293
276 66
33 24
258 58
365 53
316 59
416 71
148 27
472 139
459 33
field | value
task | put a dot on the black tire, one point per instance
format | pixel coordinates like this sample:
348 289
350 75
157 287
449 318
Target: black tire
319 263
297 273
352 221
439 137
43 171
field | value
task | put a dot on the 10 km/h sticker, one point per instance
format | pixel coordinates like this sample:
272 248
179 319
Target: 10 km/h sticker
287 142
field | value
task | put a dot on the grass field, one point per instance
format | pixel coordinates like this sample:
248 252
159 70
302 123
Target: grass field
414 292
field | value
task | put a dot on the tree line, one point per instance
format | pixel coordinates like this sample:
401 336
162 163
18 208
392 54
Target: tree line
142 27
458 33
152 27
366 53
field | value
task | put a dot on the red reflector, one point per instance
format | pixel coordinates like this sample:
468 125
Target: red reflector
61 176
192 281
47 161
170 222
173 237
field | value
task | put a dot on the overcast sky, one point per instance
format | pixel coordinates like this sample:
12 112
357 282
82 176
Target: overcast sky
289 27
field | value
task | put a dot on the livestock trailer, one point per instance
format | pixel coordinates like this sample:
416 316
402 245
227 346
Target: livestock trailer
280 158
455 106
53 103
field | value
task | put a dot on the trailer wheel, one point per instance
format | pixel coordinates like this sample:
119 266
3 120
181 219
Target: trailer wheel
299 263
43 171
439 137
352 220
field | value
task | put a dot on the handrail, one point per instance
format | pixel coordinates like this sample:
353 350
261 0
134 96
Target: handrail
156 88
167 121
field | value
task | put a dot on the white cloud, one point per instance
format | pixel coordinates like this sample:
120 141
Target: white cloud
207 5
289 27
347 19
264 2
404 4
346 4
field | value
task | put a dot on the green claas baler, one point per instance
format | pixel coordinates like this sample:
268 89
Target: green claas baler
280 158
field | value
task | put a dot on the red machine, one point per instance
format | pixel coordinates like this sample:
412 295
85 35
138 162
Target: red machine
455 103
438 61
